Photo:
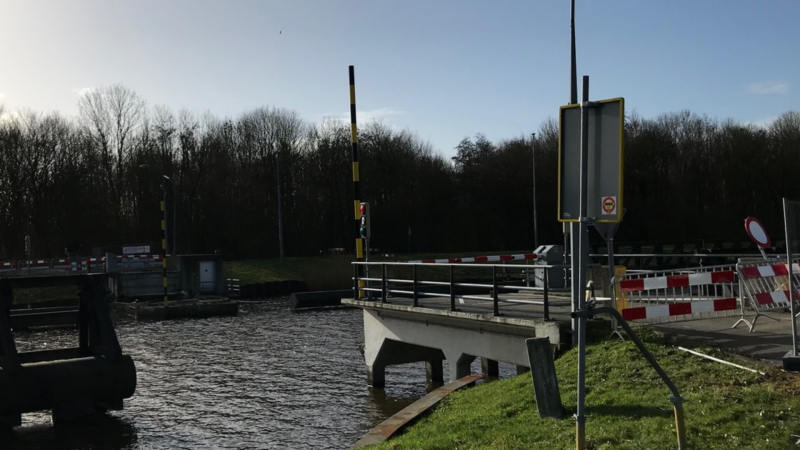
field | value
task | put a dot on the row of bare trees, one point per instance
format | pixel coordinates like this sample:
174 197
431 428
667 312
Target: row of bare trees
239 185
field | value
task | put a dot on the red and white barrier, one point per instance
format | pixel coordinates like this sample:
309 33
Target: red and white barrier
768 270
766 286
680 309
33 263
478 259
693 293
677 281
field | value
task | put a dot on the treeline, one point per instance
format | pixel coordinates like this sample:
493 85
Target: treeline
235 185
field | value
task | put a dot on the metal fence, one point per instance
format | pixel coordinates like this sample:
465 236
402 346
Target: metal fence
484 284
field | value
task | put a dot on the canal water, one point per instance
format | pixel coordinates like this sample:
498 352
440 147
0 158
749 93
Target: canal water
270 378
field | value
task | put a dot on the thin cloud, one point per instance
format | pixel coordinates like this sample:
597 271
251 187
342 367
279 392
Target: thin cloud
83 91
374 115
763 123
768 87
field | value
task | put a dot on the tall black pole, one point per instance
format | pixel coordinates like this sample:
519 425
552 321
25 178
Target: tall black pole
573 91
356 189
280 205
535 221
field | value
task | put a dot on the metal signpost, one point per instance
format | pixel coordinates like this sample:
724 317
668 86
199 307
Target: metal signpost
791 209
589 190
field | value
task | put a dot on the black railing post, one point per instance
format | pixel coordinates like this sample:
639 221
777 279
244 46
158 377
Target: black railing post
414 285
546 300
452 291
494 291
383 283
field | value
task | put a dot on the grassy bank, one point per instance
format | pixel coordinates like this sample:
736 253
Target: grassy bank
333 272
627 407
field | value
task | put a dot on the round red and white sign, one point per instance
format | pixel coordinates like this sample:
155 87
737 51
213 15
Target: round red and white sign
609 205
757 233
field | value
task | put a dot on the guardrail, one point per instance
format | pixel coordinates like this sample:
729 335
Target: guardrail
82 265
663 261
504 277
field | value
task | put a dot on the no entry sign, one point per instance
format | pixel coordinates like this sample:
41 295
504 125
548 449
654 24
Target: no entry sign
609 205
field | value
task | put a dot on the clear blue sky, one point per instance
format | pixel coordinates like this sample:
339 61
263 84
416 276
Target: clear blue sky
444 69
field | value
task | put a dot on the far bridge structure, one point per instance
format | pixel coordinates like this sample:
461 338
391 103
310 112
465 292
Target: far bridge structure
435 310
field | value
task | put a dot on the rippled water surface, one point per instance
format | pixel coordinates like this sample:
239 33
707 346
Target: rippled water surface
270 378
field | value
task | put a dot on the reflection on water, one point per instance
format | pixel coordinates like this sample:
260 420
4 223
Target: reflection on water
270 378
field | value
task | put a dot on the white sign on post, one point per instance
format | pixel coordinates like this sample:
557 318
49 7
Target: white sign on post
606 122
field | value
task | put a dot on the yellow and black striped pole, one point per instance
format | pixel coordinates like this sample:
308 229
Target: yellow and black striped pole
164 244
356 189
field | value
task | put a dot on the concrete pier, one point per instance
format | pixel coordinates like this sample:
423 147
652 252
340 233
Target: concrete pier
398 334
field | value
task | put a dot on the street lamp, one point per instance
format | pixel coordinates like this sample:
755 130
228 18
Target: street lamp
164 211
533 164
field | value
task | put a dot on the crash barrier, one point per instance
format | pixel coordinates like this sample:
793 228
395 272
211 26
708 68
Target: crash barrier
402 279
86 264
478 259
765 284
694 293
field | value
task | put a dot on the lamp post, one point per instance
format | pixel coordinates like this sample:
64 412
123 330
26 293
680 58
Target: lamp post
535 220
164 211
164 228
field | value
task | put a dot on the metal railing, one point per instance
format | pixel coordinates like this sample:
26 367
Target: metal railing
125 263
441 281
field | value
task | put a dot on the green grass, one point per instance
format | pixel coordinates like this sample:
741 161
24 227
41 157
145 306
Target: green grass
335 272
323 272
627 407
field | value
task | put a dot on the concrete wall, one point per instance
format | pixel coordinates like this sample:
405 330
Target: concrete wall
395 337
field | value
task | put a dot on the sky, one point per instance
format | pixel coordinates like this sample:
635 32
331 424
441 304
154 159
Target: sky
443 69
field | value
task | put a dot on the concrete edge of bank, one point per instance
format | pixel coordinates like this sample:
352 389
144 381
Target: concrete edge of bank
411 413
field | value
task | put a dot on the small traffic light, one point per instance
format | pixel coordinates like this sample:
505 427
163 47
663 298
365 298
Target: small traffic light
364 231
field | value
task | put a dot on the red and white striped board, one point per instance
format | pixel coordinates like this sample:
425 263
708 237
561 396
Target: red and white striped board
34 262
766 285
769 270
7 265
679 309
677 281
776 298
478 259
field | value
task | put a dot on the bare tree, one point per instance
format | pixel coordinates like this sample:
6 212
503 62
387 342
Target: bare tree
111 116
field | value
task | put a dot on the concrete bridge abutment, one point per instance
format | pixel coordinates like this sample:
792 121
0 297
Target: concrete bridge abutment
398 334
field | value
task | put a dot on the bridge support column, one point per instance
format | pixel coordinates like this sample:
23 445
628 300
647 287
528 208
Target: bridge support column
434 371
376 375
459 365
490 367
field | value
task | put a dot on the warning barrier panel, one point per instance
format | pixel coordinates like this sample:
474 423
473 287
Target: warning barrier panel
766 286
677 281
478 259
680 309
694 293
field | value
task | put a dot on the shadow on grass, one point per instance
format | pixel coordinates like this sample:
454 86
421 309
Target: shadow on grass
632 411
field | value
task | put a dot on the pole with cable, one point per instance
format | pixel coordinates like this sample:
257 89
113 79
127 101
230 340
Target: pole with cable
356 188
535 220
